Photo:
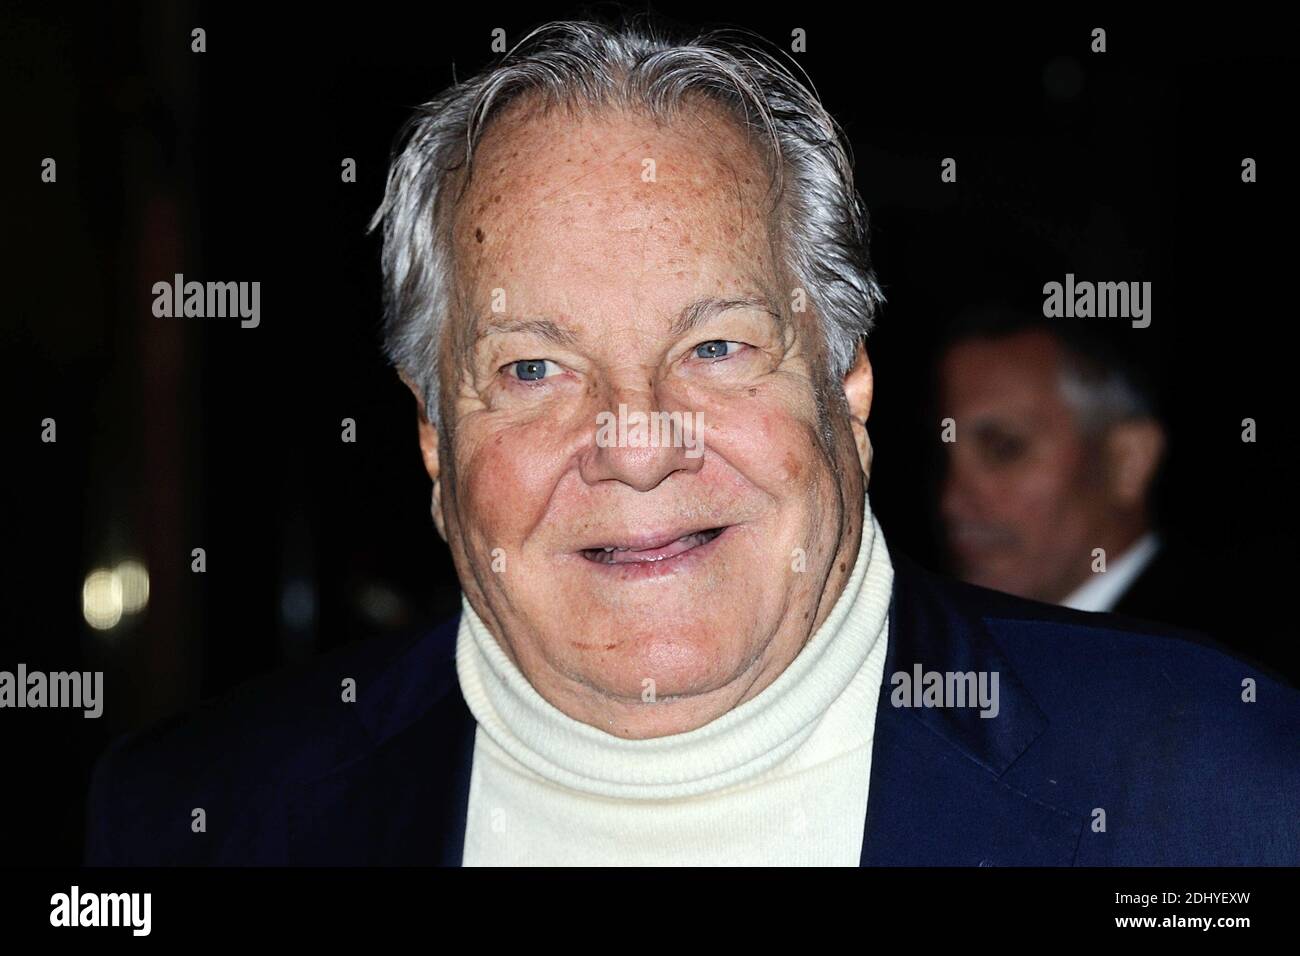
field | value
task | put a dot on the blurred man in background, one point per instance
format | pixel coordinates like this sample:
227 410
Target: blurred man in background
1057 443
1055 452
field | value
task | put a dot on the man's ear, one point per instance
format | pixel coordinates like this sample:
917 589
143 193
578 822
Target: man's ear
1134 449
429 450
859 387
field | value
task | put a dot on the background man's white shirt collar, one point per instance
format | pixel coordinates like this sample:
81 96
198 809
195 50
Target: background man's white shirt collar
1103 591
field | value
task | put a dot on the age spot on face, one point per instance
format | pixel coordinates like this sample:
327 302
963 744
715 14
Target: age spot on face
593 647
792 467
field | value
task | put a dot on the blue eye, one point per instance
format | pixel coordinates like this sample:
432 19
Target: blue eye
530 370
714 349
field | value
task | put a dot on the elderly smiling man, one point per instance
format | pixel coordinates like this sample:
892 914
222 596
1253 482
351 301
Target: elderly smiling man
676 658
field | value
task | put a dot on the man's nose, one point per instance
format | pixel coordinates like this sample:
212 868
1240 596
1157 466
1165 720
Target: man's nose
639 443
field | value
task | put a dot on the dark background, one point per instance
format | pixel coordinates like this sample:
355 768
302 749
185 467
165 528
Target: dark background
175 434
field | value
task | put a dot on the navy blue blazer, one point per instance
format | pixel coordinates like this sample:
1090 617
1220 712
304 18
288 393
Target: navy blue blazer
1148 726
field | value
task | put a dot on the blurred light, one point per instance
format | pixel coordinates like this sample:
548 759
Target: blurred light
101 599
134 580
381 605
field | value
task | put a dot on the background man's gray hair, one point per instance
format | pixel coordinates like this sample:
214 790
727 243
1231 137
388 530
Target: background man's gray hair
1101 395
1102 385
825 225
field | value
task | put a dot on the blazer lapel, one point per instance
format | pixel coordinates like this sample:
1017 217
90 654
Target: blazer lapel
936 795
403 801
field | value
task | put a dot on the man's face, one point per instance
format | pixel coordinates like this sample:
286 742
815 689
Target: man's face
1024 495
580 263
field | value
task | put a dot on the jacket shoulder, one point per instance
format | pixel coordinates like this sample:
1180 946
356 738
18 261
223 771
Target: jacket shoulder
232 755
1192 751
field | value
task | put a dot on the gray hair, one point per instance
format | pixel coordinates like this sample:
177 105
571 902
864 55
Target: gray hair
1100 395
825 223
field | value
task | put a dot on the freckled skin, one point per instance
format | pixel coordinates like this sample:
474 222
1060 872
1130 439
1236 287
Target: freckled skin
571 241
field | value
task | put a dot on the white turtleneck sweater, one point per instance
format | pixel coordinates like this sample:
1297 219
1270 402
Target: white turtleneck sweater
780 780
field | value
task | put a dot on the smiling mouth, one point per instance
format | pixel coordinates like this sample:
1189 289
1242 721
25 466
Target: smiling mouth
614 554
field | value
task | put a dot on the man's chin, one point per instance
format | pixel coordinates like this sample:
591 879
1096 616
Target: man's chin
635 663
706 606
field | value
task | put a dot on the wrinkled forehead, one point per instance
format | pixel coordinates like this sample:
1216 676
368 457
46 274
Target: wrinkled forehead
554 194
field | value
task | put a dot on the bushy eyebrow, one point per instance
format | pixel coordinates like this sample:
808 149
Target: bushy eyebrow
701 310
691 317
544 329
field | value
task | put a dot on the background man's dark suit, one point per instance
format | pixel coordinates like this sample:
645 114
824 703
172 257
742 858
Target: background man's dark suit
1143 725
1240 606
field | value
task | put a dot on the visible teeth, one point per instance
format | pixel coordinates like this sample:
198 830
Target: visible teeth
693 540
